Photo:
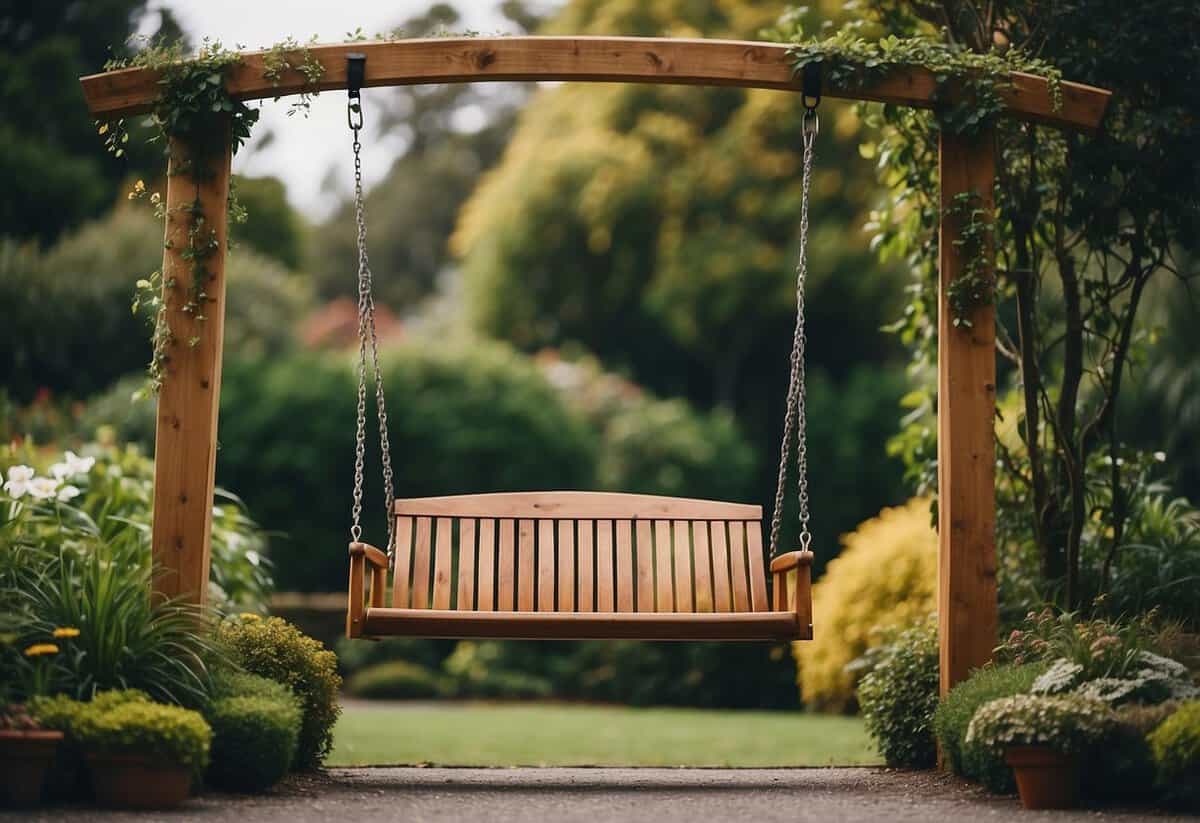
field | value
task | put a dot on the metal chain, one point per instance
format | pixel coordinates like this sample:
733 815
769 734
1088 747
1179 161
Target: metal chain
796 417
367 336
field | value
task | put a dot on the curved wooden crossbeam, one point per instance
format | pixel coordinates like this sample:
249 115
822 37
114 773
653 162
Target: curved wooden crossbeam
605 59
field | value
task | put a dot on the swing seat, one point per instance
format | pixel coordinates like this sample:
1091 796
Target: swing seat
578 565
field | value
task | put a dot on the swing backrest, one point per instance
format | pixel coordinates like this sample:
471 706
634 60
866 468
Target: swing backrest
578 552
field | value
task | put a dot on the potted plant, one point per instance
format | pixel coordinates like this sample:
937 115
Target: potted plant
26 751
1042 739
142 754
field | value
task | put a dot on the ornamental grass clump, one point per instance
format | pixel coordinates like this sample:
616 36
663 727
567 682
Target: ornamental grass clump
1067 725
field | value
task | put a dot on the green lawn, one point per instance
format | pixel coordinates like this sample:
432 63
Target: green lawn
562 735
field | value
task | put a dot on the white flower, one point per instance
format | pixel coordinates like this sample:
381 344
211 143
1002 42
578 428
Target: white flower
1161 457
72 465
19 478
68 492
253 557
43 488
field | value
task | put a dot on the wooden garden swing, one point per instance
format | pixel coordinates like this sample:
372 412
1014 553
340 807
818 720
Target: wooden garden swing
581 564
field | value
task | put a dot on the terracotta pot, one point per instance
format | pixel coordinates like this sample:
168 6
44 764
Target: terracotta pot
1046 779
132 781
24 758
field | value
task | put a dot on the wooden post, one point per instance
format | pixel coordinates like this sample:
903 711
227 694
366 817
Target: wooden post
966 412
185 449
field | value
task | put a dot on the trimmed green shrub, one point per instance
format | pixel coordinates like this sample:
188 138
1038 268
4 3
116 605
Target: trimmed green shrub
1175 745
398 680
277 650
254 740
898 697
136 726
499 684
954 713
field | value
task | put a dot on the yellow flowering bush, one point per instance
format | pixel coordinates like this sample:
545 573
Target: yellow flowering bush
886 576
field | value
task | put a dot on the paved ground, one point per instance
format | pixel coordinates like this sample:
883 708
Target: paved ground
596 795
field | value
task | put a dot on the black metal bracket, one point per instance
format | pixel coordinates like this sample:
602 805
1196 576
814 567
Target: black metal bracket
810 86
356 73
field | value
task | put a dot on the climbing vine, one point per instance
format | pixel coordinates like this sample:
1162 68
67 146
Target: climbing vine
967 100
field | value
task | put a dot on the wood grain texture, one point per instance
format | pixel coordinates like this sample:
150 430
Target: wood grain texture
185 439
683 567
624 577
585 568
422 550
442 565
966 408
402 574
737 567
545 564
606 600
506 572
745 64
720 561
465 594
580 626
645 566
485 590
664 594
754 557
525 565
355 608
566 566
702 559
575 505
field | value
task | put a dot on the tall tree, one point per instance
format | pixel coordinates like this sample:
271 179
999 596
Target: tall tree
55 170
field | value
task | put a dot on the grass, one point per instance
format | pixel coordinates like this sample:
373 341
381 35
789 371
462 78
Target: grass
565 735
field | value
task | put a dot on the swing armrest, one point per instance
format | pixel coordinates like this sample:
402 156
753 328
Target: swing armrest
789 561
800 599
360 556
372 555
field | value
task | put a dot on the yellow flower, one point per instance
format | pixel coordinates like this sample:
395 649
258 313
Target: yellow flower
249 616
38 649
66 631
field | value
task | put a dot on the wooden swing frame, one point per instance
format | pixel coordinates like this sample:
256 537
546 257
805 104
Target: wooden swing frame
186 436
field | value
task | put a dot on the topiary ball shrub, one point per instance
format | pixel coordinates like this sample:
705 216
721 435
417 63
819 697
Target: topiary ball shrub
254 741
277 650
954 713
1175 745
154 730
899 695
398 680
886 576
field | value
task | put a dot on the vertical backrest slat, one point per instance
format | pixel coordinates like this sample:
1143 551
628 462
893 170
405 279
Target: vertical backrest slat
441 565
737 566
422 550
525 565
758 576
720 565
545 563
606 600
566 565
683 568
486 588
645 566
506 569
664 600
624 575
466 564
401 583
702 559
585 568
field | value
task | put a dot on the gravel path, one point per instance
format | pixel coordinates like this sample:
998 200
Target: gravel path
595 795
